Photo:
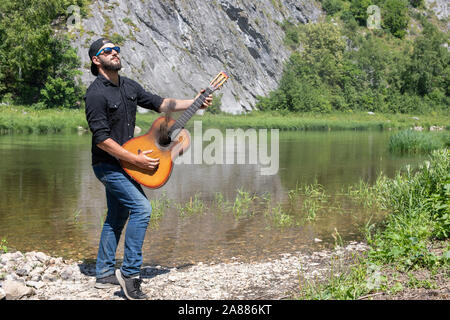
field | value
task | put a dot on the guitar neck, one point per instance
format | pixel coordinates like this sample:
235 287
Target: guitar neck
184 118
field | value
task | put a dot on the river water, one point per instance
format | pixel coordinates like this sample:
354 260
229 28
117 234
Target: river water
52 202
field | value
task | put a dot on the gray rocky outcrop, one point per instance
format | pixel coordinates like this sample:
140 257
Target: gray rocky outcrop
439 7
174 48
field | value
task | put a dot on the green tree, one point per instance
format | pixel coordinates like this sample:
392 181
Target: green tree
358 8
323 53
332 6
334 68
61 88
395 17
31 52
429 67
312 77
417 3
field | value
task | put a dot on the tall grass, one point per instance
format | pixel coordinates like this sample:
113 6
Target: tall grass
25 119
322 121
413 142
418 203
19 119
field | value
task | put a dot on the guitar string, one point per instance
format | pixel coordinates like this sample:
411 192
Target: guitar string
184 118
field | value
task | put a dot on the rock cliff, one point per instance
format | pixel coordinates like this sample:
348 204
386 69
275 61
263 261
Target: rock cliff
174 48
439 7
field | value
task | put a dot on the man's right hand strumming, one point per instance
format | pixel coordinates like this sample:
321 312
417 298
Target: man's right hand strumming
144 162
140 160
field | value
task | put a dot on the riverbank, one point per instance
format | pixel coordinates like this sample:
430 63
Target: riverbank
410 248
37 276
22 119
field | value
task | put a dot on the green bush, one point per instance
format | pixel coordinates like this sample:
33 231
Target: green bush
419 209
395 17
417 3
335 68
358 8
332 6
215 106
429 66
34 57
58 92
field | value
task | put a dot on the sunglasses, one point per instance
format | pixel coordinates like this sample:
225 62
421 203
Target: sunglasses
108 50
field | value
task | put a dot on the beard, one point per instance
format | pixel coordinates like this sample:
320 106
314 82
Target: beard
111 65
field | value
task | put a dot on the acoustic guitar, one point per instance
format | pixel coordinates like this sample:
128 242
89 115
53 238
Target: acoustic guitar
168 139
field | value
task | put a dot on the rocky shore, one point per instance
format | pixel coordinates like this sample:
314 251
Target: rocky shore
37 276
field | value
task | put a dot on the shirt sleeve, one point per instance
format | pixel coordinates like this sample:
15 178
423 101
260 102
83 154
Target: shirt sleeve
96 116
148 100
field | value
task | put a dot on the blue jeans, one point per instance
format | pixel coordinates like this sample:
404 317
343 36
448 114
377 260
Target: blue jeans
126 200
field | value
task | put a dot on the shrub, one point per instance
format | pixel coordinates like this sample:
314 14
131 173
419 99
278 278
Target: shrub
395 17
419 209
332 6
30 53
358 8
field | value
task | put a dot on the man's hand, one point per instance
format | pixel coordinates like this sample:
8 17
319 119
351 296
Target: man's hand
171 104
141 160
144 162
208 101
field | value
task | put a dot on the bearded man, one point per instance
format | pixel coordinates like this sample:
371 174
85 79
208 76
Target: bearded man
111 103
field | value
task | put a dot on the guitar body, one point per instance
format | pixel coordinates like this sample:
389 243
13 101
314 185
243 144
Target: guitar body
166 153
168 139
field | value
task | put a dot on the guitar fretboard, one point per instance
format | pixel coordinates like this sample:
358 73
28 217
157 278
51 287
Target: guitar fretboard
184 118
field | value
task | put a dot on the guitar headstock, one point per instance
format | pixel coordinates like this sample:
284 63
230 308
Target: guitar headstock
218 81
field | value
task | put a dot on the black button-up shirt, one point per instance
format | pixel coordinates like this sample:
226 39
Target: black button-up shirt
111 112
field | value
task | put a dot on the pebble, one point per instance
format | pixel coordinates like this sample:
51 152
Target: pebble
37 276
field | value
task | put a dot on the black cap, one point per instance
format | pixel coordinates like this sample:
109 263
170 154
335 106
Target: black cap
93 49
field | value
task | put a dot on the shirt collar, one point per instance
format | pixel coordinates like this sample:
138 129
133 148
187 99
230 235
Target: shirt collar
106 82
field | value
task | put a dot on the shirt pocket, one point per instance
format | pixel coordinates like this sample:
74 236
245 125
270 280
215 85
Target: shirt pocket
115 111
132 101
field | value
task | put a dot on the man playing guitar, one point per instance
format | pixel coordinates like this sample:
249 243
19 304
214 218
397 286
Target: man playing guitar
111 103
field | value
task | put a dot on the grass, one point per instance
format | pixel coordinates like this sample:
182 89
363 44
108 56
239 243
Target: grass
159 206
3 246
243 204
20 119
320 121
305 204
194 206
418 221
340 284
23 119
416 142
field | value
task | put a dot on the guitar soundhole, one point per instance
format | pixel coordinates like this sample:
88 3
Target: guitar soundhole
164 139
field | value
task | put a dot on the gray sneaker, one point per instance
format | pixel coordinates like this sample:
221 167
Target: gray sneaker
106 282
131 286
